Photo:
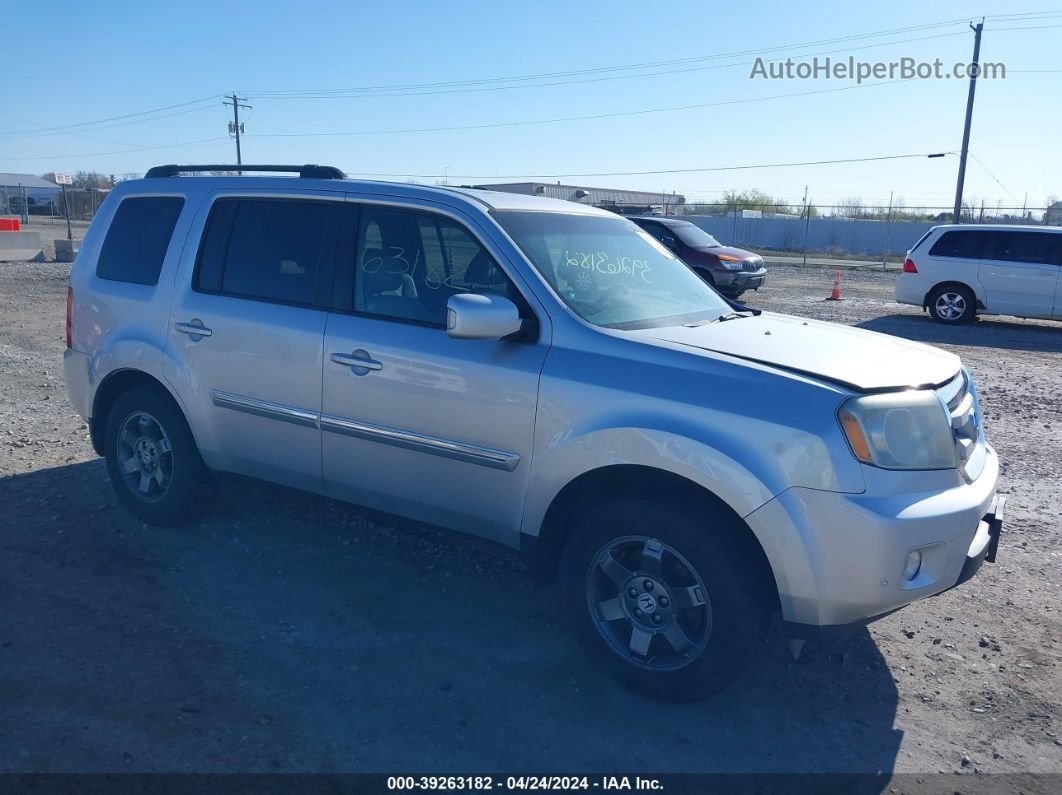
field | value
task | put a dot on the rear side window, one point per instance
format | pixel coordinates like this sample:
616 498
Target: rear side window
1037 247
964 244
137 239
270 249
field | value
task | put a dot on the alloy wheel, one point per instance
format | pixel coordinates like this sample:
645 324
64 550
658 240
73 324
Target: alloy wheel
950 306
145 457
648 603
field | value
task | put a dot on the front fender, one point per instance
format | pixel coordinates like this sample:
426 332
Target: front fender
566 458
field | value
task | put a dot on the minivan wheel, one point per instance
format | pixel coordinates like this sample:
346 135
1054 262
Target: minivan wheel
952 304
152 458
660 599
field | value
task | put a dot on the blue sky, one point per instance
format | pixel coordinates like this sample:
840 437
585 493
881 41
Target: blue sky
82 62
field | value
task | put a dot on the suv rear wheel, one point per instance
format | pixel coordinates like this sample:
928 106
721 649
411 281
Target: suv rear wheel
152 458
659 599
952 304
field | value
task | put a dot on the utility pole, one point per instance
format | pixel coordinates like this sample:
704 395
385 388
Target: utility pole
975 70
234 126
888 222
807 223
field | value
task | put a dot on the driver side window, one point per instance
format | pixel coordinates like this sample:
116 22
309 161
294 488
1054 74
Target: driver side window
408 264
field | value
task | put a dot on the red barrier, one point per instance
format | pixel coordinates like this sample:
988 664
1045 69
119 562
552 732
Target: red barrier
10 225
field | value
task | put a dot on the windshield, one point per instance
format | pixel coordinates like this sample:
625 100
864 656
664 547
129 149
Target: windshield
611 272
693 235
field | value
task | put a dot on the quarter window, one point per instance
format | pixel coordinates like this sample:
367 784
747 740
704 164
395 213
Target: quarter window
269 249
137 239
961 243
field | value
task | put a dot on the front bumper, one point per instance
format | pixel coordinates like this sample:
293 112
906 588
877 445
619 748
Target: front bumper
982 550
739 281
838 559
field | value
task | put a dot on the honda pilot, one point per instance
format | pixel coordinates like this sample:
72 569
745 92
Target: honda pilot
539 373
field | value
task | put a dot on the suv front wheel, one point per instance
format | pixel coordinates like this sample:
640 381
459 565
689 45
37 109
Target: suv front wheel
660 599
152 458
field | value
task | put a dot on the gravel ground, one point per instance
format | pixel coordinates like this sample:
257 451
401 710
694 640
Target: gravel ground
289 633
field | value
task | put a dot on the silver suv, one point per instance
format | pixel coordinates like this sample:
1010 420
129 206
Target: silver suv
540 373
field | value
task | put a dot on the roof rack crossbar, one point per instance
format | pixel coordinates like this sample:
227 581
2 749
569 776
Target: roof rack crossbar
309 171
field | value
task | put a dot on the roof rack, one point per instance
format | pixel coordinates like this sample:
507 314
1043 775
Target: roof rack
305 172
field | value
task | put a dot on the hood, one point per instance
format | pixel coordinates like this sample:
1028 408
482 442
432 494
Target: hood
729 251
862 360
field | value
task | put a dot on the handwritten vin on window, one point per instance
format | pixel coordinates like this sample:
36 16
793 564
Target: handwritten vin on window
604 263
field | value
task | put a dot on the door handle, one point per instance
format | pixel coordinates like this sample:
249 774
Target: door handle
353 360
195 328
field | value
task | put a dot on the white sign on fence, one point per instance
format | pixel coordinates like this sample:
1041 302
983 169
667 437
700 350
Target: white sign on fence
752 213
64 178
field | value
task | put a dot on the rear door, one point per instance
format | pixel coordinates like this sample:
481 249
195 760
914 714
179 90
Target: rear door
1019 273
246 331
429 427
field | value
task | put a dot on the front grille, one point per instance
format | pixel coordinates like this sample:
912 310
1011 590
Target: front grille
752 265
961 399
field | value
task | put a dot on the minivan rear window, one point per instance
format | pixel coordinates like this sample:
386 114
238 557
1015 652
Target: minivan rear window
137 239
966 244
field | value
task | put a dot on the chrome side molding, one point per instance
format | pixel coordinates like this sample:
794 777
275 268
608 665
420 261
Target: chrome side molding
409 440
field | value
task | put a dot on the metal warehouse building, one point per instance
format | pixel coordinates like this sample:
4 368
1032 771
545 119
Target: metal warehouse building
629 202
35 189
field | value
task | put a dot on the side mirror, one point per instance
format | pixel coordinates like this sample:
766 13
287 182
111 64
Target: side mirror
472 316
670 242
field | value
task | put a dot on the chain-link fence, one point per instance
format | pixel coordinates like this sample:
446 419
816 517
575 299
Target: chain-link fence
84 202
848 229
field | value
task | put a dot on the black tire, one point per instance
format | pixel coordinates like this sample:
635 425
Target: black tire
952 304
177 484
702 551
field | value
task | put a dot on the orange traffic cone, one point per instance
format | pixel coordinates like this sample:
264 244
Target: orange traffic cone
835 294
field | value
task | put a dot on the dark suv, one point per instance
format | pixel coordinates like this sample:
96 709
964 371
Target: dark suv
729 270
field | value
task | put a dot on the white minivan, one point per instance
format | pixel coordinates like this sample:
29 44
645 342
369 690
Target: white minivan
957 272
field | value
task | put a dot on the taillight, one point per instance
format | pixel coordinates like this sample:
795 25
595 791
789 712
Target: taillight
69 315
909 266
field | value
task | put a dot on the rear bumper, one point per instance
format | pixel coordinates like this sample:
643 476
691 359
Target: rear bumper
839 558
910 290
78 381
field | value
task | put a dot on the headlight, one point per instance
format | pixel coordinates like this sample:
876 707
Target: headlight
731 263
899 430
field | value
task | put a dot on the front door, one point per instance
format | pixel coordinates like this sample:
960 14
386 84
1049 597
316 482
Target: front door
414 422
246 331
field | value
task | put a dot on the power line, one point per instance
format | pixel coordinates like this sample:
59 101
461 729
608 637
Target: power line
619 67
323 93
110 118
118 152
344 94
80 132
648 173
278 93
993 176
590 117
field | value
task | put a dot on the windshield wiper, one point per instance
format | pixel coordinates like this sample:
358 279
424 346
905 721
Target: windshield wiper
731 316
